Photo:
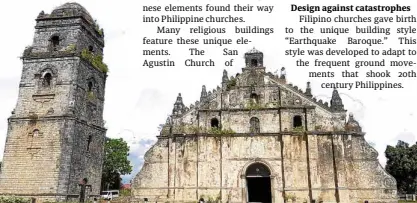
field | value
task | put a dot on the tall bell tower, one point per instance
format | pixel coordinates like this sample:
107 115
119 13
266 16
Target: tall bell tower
56 133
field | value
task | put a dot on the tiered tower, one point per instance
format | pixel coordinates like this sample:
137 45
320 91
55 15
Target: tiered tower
56 133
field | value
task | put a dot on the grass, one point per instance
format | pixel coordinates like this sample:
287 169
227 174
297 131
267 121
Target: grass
95 60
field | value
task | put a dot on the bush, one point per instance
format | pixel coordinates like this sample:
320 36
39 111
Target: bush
95 60
13 199
125 192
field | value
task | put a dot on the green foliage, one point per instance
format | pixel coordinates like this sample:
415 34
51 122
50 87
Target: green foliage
210 199
71 48
193 129
91 96
253 105
402 165
95 60
290 196
125 192
115 163
231 83
298 129
13 199
99 30
219 131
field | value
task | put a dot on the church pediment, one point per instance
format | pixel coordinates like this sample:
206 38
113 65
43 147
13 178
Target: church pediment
255 91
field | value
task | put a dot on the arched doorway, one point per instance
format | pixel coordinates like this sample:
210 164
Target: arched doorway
258 183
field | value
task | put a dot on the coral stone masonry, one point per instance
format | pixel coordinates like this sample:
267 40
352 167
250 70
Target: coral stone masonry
56 133
257 138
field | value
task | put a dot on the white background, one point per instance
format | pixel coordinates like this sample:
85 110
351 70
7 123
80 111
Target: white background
138 99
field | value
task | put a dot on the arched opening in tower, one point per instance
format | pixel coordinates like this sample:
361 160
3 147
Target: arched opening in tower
214 123
258 182
55 42
47 78
90 86
254 125
254 62
254 98
297 122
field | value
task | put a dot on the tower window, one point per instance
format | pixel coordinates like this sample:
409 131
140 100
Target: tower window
90 138
35 133
55 42
91 48
90 86
47 79
254 125
254 62
214 123
297 121
254 98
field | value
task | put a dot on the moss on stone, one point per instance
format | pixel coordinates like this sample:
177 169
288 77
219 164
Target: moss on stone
95 60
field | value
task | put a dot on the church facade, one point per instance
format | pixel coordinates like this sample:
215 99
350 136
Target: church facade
55 139
258 138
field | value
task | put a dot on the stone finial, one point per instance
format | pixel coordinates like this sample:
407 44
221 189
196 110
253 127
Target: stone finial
296 87
41 14
326 104
308 90
336 103
352 125
203 94
179 106
168 121
225 78
283 73
179 98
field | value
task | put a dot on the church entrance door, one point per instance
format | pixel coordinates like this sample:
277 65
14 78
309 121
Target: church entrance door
258 182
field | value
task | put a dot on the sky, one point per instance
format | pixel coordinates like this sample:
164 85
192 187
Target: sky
139 98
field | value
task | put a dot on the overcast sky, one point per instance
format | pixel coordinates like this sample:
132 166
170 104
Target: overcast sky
138 98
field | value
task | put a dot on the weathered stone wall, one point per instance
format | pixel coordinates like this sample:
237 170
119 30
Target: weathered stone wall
86 161
30 163
185 168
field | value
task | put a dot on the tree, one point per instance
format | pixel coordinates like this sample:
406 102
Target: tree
115 163
402 164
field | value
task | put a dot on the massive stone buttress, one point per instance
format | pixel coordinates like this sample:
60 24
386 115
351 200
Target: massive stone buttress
311 151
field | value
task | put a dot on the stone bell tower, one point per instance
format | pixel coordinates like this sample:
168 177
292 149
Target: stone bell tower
56 133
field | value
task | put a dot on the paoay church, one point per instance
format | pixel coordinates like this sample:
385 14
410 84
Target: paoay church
258 138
